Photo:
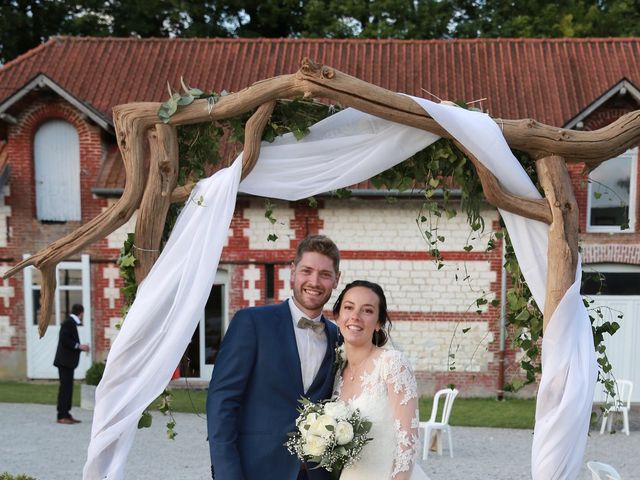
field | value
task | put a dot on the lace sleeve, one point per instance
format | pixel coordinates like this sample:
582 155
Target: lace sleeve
403 401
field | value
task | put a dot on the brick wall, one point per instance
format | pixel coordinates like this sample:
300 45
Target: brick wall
435 317
21 233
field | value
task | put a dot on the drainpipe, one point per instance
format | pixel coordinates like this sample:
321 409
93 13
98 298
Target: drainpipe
503 321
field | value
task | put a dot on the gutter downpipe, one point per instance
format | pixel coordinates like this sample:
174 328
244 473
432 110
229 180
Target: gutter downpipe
503 321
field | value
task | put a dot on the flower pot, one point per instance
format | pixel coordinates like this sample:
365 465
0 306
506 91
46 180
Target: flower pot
87 396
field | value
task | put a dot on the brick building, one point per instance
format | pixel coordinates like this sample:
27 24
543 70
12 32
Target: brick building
59 167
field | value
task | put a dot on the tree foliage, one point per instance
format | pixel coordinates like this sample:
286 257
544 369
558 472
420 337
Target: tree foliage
541 18
378 19
25 24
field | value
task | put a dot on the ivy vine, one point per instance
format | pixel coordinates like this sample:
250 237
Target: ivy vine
446 178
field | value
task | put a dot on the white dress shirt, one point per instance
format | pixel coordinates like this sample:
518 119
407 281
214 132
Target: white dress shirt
312 346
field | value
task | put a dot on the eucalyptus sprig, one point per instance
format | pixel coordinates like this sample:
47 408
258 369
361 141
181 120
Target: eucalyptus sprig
187 97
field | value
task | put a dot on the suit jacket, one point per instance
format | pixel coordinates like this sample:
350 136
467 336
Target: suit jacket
67 355
254 395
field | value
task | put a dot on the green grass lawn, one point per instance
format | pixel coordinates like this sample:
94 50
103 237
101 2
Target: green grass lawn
469 412
45 393
486 412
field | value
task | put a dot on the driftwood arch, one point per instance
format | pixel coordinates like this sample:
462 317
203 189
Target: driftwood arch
141 136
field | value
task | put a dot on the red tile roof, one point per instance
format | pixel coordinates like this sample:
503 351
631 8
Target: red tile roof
550 80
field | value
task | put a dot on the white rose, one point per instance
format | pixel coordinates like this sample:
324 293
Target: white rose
337 410
344 433
305 424
314 445
324 426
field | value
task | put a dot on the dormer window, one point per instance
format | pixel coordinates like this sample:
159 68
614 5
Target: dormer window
612 194
56 151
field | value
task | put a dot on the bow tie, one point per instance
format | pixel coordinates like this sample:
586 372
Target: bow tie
317 327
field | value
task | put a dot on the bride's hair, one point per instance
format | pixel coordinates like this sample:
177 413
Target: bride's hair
380 337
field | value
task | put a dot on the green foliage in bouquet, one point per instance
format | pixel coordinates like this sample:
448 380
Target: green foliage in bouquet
330 434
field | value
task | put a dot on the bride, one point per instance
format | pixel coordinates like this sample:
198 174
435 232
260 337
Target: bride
380 383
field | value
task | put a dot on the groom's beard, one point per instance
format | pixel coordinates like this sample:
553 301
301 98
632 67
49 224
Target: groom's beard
308 302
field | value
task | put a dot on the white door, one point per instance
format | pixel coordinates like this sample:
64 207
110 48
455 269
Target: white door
622 347
56 152
213 324
73 280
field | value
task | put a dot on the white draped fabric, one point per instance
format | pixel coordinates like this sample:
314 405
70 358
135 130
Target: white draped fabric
342 150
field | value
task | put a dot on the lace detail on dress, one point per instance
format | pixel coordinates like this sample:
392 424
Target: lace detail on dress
406 451
403 399
388 397
399 374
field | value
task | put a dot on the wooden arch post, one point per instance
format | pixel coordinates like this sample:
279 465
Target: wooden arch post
141 134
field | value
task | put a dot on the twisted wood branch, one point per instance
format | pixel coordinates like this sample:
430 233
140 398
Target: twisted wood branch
133 120
500 198
562 252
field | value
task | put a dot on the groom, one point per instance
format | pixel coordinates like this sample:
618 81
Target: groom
269 358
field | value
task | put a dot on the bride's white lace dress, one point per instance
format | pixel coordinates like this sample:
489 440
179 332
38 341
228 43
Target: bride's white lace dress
388 397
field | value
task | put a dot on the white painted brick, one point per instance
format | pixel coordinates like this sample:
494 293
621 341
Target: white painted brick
438 291
380 225
6 331
284 275
260 227
7 292
111 332
117 238
428 345
111 292
251 294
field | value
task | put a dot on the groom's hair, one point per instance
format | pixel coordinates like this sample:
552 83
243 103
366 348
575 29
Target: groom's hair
319 244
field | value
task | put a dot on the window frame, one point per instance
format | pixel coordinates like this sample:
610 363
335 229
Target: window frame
58 316
633 188
609 267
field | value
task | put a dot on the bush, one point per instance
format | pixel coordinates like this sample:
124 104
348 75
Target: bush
8 476
93 375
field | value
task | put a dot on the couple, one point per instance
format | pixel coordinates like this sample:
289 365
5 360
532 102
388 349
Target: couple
271 356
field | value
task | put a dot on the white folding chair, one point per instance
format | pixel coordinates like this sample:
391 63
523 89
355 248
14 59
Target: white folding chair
621 404
438 427
602 471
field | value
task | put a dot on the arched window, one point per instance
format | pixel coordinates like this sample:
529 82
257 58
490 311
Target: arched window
56 150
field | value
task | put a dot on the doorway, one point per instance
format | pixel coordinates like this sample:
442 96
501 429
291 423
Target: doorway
201 353
73 286
616 294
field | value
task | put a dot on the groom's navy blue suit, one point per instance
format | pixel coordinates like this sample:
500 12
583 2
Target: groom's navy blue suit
254 393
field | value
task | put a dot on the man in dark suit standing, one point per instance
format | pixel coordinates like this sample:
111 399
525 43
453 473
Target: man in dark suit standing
269 358
67 359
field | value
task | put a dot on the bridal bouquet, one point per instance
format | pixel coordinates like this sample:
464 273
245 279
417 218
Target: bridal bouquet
329 433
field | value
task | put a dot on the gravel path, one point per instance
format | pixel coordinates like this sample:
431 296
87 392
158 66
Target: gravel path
33 443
